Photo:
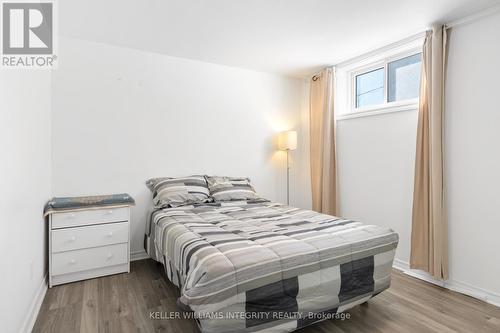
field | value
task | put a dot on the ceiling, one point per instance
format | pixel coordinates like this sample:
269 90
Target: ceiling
289 37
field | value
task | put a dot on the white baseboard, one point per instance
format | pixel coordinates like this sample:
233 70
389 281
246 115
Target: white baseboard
34 308
35 305
138 255
458 286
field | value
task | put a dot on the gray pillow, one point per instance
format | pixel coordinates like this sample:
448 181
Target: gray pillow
174 192
230 188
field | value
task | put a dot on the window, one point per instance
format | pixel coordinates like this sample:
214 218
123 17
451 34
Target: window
404 78
391 82
370 88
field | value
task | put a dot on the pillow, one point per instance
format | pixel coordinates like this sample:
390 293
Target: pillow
230 188
173 192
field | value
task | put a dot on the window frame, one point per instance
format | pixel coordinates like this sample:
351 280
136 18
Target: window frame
386 106
365 70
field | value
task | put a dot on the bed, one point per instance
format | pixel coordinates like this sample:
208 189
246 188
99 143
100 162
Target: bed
256 265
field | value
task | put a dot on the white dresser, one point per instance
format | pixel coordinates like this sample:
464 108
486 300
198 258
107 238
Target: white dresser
88 243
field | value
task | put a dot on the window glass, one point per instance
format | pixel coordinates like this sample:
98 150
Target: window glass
370 88
403 80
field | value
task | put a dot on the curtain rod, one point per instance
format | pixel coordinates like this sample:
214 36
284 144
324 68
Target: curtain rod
473 17
385 47
461 21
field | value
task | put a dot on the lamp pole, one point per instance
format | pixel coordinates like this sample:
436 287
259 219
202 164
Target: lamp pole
287 177
287 141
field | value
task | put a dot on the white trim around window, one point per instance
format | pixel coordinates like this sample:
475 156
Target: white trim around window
346 82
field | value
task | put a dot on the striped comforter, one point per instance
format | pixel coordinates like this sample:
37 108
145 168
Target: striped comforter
264 266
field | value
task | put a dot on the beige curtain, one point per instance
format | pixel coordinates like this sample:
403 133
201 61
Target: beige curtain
322 141
429 235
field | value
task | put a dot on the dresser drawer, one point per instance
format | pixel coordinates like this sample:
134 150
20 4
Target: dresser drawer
90 236
86 259
88 217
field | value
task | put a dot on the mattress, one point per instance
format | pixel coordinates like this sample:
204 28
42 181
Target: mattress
256 266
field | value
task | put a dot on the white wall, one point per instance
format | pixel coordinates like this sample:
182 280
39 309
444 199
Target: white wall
121 116
472 153
376 162
300 169
25 188
376 159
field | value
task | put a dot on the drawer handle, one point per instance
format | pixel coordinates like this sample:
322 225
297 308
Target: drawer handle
110 255
72 262
72 215
110 234
72 239
109 212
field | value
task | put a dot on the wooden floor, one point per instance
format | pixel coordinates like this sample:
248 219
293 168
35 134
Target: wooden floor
122 303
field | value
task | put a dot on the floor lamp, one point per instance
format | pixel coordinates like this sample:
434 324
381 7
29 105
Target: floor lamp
287 141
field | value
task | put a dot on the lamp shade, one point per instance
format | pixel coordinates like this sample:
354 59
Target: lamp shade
287 140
